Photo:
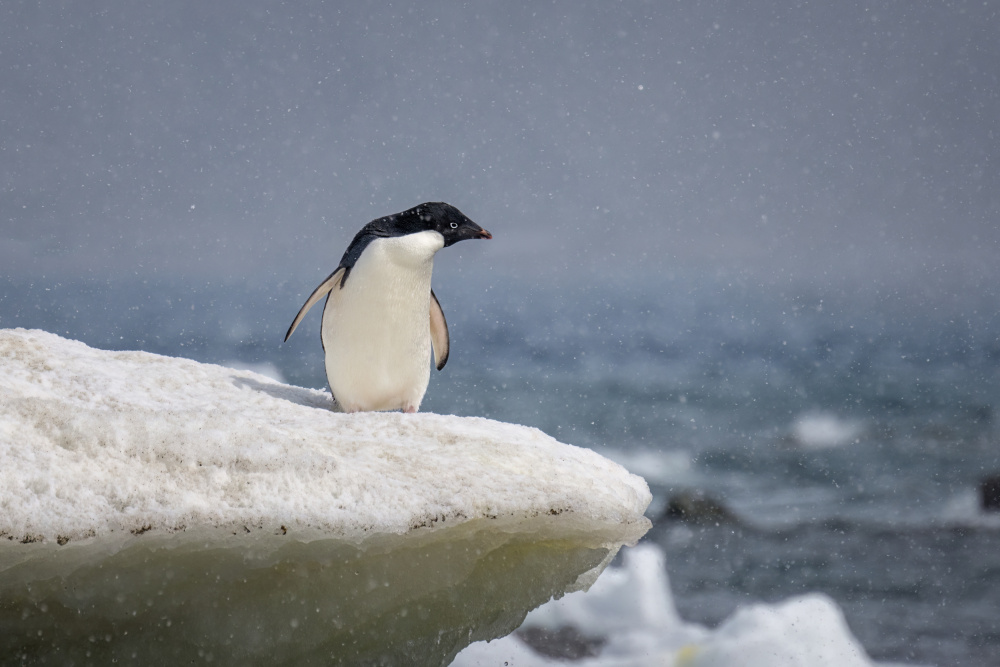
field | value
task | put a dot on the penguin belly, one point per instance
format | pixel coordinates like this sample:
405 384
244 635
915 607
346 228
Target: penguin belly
376 328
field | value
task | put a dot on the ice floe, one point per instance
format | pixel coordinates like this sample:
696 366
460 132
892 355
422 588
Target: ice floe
165 510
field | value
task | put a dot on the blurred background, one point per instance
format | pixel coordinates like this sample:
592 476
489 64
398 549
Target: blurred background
748 250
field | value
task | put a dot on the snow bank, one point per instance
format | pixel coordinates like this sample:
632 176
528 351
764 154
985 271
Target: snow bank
630 611
175 510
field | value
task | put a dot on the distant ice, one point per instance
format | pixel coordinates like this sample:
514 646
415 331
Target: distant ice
821 430
807 631
631 608
631 605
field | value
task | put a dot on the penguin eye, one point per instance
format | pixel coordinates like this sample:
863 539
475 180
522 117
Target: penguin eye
454 225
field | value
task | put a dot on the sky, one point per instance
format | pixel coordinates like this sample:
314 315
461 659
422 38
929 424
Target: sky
248 140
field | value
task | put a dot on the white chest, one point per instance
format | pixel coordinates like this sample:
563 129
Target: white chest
376 329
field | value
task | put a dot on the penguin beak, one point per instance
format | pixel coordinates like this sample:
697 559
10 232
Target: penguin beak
483 234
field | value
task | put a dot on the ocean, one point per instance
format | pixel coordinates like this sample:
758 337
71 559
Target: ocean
846 434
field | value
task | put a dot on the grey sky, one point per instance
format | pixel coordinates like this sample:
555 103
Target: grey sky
781 140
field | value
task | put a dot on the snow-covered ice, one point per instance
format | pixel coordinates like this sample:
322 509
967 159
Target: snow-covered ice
176 509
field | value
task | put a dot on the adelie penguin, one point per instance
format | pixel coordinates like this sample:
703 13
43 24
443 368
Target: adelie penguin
381 318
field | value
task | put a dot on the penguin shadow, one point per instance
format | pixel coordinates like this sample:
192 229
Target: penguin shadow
284 392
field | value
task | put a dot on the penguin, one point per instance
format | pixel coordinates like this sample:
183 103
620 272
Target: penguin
382 319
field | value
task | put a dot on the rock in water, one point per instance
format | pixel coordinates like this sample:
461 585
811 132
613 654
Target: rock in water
697 507
989 493
161 511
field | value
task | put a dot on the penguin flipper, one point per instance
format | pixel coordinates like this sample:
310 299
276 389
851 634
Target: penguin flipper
318 293
439 333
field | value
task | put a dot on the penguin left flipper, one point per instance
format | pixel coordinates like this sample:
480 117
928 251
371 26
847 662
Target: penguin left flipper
332 281
439 333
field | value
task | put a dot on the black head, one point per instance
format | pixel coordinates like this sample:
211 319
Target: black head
444 218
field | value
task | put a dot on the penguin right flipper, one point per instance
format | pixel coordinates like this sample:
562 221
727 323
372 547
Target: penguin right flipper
332 281
439 333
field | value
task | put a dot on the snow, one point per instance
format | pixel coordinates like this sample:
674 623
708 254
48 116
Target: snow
97 442
266 368
631 608
127 474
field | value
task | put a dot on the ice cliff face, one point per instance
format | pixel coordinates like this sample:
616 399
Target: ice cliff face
162 510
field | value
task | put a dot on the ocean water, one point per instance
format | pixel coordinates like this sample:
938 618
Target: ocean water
846 434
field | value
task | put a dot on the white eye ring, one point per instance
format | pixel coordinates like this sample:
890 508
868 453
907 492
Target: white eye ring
454 225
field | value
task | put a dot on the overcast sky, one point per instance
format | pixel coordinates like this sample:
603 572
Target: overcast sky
236 138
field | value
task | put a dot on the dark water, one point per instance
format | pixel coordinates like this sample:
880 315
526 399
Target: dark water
700 384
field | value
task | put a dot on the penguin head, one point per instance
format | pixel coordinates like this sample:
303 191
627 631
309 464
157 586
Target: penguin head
444 219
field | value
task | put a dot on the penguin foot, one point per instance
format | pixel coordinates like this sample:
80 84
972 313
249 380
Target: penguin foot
410 409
